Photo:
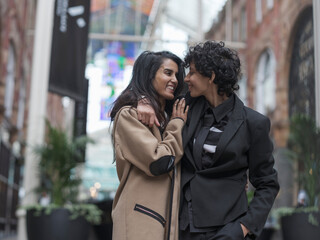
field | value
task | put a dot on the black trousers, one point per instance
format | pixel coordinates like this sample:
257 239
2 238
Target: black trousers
230 231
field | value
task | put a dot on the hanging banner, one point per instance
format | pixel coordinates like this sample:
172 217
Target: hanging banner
80 119
80 114
69 47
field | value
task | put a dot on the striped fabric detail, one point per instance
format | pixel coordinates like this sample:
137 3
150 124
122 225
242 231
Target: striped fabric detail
213 129
151 213
209 148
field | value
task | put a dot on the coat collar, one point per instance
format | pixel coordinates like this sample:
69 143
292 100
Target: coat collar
194 115
231 128
235 121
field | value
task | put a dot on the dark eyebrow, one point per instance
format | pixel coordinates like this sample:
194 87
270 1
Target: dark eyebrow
169 71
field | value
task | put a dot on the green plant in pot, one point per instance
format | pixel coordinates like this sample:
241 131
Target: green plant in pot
59 157
304 145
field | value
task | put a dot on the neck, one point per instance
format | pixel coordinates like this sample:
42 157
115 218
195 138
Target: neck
163 104
214 98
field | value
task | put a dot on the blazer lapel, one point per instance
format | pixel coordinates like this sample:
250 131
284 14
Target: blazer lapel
234 123
194 115
188 130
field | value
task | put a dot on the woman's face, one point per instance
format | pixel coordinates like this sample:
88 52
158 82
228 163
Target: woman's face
197 83
165 81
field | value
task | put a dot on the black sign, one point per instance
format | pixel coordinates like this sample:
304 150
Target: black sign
80 118
69 47
302 75
80 114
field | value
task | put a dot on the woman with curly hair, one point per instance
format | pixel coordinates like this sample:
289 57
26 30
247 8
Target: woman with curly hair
223 141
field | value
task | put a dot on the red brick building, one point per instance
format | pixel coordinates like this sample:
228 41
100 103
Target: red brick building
16 46
17 26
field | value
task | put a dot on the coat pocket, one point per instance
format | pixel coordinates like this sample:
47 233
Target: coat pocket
150 213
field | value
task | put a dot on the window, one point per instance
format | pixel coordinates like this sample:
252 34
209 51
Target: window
266 83
243 25
242 92
22 100
9 88
258 11
270 4
235 30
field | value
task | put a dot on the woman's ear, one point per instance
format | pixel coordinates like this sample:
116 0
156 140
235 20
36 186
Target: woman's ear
213 76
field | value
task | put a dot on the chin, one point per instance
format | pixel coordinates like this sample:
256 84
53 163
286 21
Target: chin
192 94
170 98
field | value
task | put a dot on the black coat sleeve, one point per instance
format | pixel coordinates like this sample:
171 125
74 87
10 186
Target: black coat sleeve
262 176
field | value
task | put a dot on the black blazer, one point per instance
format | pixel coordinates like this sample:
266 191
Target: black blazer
218 193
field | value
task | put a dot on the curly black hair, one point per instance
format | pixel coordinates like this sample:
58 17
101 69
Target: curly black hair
211 56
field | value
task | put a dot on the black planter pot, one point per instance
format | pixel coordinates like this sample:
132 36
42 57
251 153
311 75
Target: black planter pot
56 226
103 231
298 227
266 234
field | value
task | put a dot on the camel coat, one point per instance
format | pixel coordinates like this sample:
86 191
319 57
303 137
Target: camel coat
146 163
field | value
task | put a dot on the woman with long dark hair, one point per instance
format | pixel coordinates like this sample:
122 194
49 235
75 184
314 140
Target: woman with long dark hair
146 204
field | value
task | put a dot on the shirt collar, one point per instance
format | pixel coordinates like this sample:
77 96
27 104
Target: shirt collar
223 109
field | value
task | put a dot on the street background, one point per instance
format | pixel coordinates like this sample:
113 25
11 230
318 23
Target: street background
68 60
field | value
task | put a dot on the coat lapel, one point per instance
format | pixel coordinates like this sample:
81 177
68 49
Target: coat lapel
196 108
194 115
234 123
232 127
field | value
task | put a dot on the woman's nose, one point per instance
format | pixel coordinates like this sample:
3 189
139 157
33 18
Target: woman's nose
174 79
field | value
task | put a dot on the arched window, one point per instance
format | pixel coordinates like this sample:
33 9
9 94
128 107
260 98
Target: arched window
266 83
302 68
9 88
22 100
258 11
242 92
270 4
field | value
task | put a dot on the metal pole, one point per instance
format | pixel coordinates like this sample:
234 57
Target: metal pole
316 33
138 14
128 38
200 22
37 104
229 21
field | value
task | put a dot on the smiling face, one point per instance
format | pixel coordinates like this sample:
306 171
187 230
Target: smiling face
197 83
165 81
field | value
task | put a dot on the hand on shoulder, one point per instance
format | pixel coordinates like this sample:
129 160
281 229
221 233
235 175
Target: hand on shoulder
180 110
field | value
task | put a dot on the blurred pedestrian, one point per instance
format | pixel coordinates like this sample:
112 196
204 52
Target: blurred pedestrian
222 140
146 203
44 199
302 199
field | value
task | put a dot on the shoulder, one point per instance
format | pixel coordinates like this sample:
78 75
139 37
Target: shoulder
253 114
126 121
255 119
127 113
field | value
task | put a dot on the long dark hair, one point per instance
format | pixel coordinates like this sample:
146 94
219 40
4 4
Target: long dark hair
143 74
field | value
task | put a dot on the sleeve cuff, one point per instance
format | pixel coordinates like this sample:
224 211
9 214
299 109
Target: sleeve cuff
178 118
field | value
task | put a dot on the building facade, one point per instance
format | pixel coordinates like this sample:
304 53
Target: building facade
16 45
17 26
278 62
281 79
